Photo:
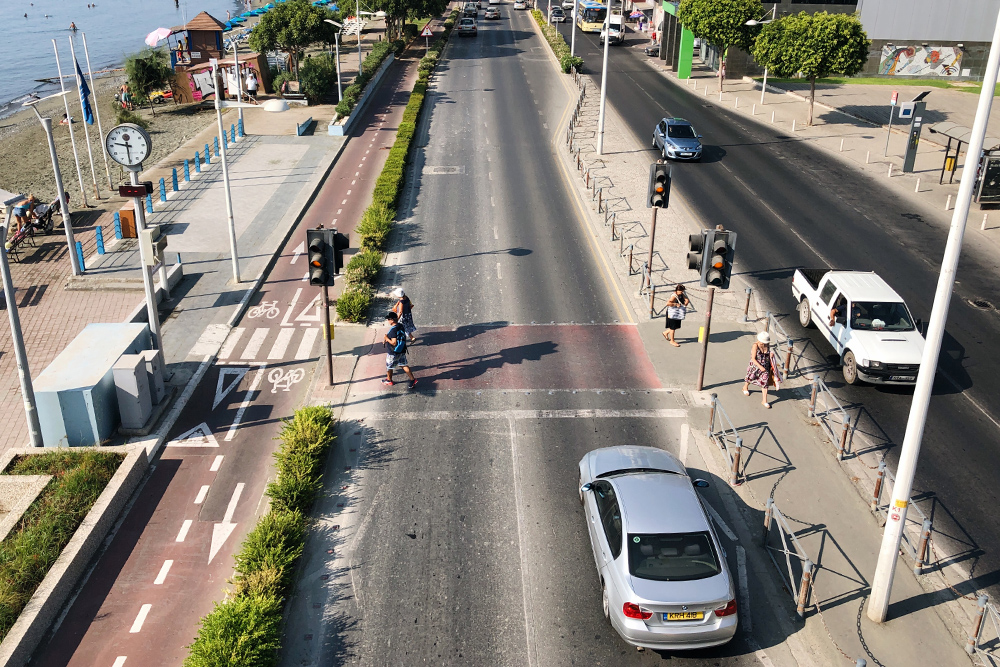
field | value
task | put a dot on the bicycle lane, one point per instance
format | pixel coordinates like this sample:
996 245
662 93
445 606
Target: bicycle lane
170 558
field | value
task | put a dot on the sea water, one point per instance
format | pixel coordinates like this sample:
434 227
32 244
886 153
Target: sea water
114 29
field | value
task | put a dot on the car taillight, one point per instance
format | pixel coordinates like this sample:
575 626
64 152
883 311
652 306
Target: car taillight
728 610
632 610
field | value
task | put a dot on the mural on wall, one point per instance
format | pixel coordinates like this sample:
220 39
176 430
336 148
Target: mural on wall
920 60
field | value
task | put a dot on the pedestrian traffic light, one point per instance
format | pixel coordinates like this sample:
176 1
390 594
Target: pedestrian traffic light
341 242
321 258
659 185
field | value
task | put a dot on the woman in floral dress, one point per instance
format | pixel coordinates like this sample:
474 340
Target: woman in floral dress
759 371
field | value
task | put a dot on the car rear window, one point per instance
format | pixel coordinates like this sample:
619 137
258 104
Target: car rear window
672 556
680 131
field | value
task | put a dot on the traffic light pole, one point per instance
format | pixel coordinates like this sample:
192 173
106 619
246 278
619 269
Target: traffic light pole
652 241
326 334
704 341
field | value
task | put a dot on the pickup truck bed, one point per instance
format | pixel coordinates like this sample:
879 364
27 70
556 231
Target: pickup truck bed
813 276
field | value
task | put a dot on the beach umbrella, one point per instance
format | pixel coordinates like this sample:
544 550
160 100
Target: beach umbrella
636 14
158 35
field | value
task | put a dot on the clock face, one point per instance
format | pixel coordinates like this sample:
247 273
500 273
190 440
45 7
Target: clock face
127 144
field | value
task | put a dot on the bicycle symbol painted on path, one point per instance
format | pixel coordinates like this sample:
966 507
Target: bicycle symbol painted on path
279 379
267 308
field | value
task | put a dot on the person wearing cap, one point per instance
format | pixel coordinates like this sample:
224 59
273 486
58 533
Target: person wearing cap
404 310
760 370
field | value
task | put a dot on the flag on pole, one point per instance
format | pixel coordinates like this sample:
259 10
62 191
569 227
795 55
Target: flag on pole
88 113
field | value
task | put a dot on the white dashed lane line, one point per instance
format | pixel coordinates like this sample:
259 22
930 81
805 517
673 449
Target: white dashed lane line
202 492
162 576
185 527
120 661
140 619
217 463
343 202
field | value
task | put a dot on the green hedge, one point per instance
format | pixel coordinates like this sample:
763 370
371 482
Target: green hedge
377 221
245 629
558 44
380 51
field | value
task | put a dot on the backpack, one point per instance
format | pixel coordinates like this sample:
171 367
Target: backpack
400 336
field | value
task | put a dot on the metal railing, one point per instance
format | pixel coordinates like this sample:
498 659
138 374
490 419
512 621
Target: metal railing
782 339
831 410
795 557
728 439
919 548
974 643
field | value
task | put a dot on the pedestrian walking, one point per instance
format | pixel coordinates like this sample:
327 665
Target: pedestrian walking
395 346
252 84
677 306
404 310
762 370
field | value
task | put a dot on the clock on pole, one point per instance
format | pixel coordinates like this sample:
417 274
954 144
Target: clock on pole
128 145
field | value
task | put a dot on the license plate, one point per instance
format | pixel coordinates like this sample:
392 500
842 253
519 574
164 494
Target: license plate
684 616
902 378
685 154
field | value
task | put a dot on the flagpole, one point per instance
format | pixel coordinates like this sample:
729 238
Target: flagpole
72 139
83 114
97 111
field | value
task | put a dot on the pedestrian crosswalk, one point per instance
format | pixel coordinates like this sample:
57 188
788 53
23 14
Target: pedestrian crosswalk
263 343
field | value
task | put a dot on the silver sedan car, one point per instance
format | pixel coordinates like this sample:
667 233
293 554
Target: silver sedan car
663 572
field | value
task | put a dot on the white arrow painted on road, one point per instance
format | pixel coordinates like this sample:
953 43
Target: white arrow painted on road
300 249
199 436
221 388
222 531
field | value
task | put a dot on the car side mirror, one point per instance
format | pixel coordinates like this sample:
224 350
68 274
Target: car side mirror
586 487
699 136
918 324
701 483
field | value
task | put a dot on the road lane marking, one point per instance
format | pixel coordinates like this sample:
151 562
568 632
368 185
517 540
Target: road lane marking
231 342
221 388
339 211
140 619
306 344
299 249
343 202
525 589
496 235
291 306
120 661
199 436
499 275
217 463
721 524
202 492
185 527
162 576
744 592
348 192
357 173
451 415
354 181
685 434
246 402
256 341
281 344
221 531
492 203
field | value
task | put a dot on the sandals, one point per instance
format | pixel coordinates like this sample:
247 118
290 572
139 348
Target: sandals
767 405
746 392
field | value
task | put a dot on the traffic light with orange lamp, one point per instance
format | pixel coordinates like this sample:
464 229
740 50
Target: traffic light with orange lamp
712 253
320 243
658 193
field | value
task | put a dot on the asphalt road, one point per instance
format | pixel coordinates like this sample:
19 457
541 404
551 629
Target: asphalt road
453 521
794 206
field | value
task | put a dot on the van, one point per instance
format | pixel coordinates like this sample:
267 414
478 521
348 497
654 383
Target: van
615 26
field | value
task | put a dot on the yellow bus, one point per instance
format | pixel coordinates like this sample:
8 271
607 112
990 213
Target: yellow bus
590 15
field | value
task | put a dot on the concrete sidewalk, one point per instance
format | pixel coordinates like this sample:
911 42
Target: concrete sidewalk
785 455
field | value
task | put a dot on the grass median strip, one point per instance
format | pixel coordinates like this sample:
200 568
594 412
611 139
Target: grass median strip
31 548
559 46
378 219
244 630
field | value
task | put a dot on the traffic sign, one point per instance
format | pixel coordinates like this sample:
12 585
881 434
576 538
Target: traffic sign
426 32
895 96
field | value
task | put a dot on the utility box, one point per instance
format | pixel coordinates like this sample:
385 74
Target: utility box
132 386
76 395
126 216
154 374
153 244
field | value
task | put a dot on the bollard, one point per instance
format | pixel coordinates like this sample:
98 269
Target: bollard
737 105
917 189
720 93
768 514
890 171
208 155
232 133
586 178
793 125
79 256
788 356
983 227
600 196
753 109
163 190
197 163
630 248
877 491
613 227
925 536
973 642
811 410
860 662
605 216
187 171
841 145
868 157
706 90
100 240
118 225
800 606
225 139
239 128
845 428
734 473
149 203
772 117
652 299
711 416
746 305
173 179
947 204
215 143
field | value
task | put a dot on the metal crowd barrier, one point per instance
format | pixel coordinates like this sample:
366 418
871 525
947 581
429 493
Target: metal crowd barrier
831 409
782 338
918 551
728 439
794 557
975 643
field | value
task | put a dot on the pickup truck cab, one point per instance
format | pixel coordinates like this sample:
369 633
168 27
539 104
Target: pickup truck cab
877 339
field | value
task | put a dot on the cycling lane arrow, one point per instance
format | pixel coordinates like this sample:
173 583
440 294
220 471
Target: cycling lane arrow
222 531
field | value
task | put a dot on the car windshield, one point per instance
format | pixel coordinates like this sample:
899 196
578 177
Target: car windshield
594 15
672 557
680 132
874 316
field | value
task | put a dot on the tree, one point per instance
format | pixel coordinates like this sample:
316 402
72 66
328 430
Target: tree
814 45
147 71
398 11
292 27
721 23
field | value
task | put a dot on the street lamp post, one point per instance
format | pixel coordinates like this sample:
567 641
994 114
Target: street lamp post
60 192
774 15
336 43
604 85
572 29
358 19
878 604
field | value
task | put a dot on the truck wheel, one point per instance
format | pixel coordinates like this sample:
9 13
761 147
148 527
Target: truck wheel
805 315
850 368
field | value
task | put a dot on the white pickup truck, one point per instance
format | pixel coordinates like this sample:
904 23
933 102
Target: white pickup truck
865 321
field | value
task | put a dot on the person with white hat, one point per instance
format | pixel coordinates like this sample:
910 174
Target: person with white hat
761 368
404 310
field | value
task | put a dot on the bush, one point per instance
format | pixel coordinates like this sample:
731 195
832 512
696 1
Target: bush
123 115
556 42
364 267
318 77
568 62
410 32
353 304
274 543
279 78
241 632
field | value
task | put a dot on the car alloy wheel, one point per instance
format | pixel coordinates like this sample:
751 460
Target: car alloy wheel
850 368
605 603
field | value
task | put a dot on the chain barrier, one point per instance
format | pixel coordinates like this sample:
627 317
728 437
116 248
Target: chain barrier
795 557
820 393
917 551
728 440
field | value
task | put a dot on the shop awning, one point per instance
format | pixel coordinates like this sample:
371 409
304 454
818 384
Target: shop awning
960 133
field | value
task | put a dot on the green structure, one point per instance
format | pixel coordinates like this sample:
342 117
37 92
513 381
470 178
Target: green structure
677 42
